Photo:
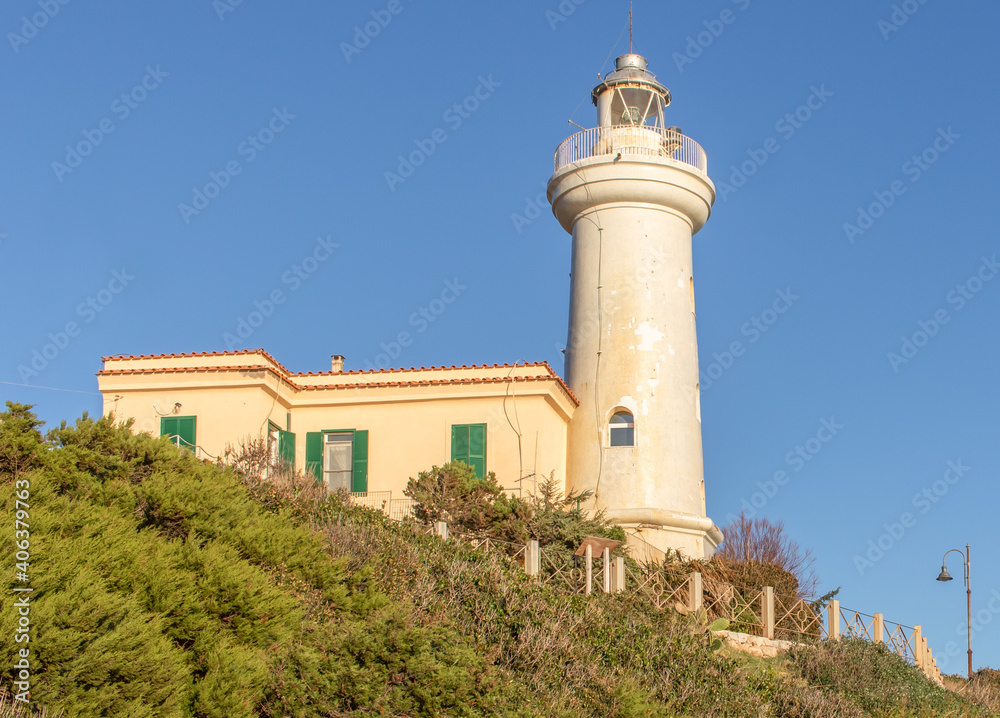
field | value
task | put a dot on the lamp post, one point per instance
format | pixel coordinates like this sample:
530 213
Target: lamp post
945 576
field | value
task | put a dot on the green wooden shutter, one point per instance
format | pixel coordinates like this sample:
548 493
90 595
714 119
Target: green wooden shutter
286 447
468 444
180 426
359 474
460 442
168 426
477 449
314 454
186 426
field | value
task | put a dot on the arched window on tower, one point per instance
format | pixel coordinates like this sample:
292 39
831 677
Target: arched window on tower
622 429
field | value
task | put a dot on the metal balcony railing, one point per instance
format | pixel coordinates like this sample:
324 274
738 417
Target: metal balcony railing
631 141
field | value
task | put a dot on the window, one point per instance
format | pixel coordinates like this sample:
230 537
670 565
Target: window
280 447
338 461
468 444
622 429
273 439
180 430
338 458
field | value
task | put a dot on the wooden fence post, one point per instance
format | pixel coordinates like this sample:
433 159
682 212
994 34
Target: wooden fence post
606 570
878 629
532 559
833 620
696 592
619 575
589 553
918 643
767 611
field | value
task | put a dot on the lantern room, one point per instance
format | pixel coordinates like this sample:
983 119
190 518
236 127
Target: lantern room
631 96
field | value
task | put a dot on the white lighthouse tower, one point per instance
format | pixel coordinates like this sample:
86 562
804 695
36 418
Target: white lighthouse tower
633 192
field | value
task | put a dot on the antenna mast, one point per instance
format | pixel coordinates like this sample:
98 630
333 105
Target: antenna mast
630 28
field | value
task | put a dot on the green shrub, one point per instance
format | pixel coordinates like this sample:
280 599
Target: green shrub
165 586
875 679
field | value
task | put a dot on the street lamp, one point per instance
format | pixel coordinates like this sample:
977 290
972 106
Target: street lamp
945 576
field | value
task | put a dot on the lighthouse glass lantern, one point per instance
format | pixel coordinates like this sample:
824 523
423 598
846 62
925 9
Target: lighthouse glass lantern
630 110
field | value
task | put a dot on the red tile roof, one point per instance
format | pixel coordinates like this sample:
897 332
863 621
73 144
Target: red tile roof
241 352
284 375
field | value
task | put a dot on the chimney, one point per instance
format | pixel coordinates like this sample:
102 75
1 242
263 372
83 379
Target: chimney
336 363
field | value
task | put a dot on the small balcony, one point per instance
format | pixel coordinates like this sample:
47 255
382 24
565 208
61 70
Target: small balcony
631 142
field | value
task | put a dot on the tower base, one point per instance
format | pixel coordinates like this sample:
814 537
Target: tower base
654 534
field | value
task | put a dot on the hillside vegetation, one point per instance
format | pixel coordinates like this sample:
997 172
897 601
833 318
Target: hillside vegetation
164 586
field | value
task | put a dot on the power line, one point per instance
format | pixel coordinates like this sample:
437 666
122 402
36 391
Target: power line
52 388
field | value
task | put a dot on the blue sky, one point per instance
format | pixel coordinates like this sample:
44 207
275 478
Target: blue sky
276 125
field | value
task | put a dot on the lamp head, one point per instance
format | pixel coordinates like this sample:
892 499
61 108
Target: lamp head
945 576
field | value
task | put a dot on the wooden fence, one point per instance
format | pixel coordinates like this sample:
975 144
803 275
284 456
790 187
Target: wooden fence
755 611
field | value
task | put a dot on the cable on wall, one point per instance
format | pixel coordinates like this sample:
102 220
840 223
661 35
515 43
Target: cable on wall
517 430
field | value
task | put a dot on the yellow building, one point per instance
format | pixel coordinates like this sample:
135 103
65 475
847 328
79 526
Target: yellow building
365 431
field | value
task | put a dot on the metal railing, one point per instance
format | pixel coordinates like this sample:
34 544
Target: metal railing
855 624
561 568
900 639
742 607
662 589
796 619
401 509
378 500
631 141
182 443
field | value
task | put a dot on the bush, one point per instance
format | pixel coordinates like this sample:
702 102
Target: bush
480 506
873 678
163 588
20 441
759 544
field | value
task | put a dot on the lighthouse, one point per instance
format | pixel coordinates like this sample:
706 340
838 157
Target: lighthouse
632 192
